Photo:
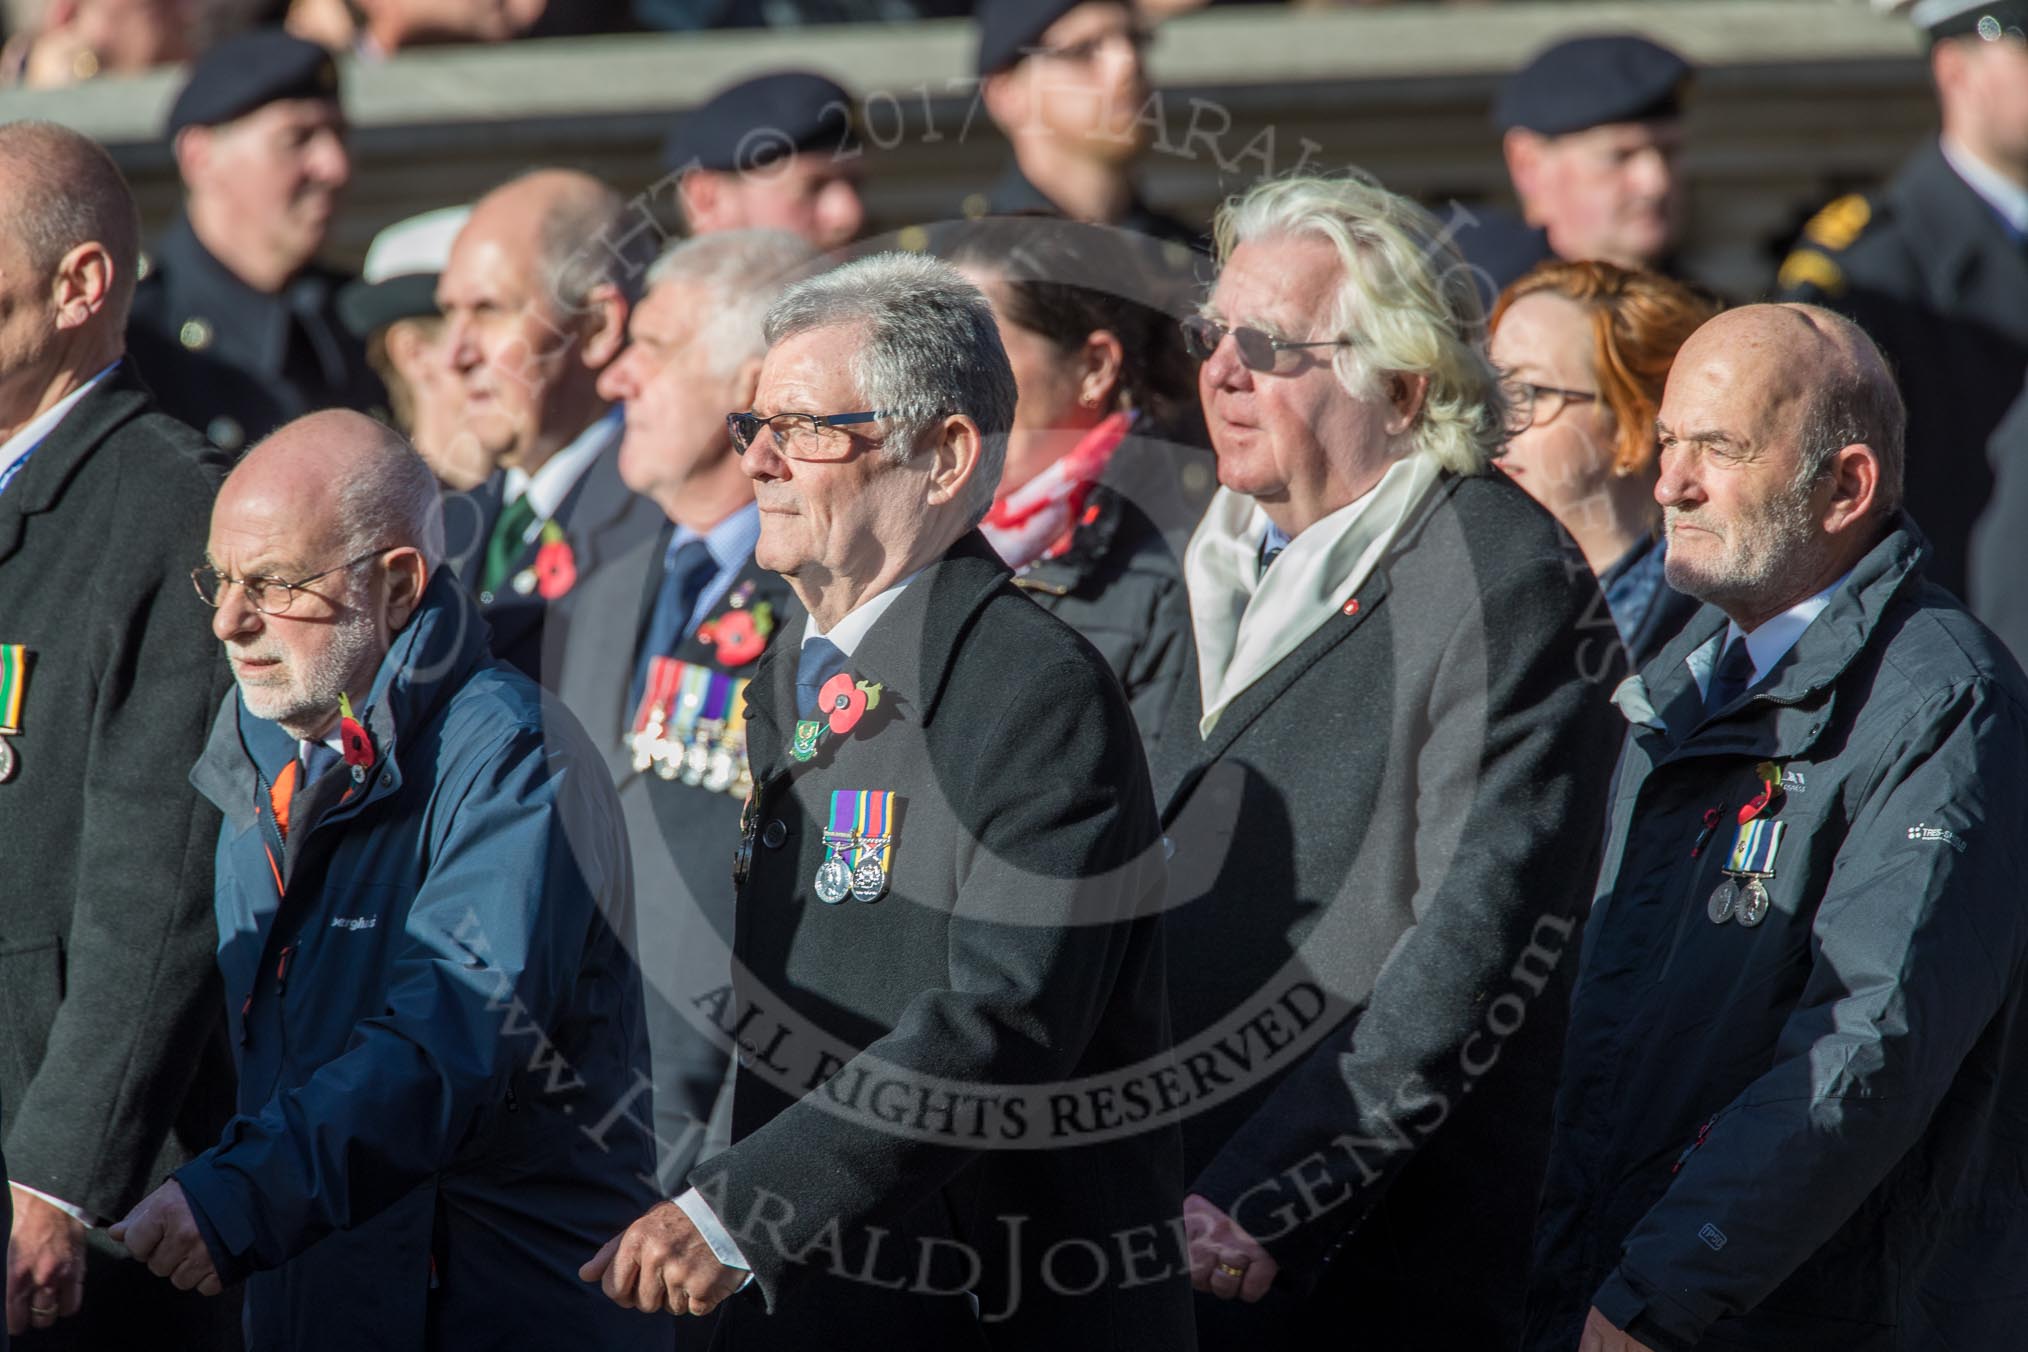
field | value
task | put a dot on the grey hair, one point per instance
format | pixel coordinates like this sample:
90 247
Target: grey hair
590 239
1854 402
392 499
743 272
1406 298
64 190
929 347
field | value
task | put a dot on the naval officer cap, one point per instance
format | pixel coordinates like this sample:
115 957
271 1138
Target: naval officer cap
399 278
1591 82
760 120
1010 29
249 71
1992 20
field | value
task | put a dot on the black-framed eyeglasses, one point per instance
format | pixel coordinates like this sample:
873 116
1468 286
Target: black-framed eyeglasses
1082 53
1535 405
799 436
1258 350
268 595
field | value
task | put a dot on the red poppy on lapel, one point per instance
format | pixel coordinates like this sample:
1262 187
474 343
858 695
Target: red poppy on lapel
358 746
739 635
555 564
842 702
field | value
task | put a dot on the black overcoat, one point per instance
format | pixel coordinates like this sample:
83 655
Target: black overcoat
113 1065
913 1117
1382 858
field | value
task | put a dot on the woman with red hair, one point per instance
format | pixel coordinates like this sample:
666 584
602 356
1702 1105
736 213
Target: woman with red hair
1586 349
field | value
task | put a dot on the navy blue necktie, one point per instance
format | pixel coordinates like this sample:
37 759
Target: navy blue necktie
686 572
820 660
317 758
1730 677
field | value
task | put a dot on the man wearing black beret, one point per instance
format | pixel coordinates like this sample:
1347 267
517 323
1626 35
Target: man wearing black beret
1934 266
1065 80
777 152
1592 132
235 325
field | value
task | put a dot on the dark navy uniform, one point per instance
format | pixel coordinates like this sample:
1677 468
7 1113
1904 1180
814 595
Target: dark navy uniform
225 357
1014 195
1927 268
237 362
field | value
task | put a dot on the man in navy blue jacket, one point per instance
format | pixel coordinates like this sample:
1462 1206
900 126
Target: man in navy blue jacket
423 904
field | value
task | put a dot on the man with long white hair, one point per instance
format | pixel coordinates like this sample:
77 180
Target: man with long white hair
1383 778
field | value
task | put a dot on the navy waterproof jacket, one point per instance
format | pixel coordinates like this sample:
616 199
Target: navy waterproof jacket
1808 1134
436 1017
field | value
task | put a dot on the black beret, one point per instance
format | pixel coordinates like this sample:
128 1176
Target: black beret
1590 81
1009 28
761 120
1990 19
251 70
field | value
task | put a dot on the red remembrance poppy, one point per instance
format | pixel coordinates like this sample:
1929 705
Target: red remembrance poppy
842 702
358 746
738 638
555 569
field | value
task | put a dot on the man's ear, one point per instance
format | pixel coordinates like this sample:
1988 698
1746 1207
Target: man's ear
1522 150
958 448
605 326
1853 476
1406 393
745 384
192 149
1009 99
408 574
84 279
702 193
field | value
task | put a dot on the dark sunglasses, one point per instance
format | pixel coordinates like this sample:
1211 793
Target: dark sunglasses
1258 351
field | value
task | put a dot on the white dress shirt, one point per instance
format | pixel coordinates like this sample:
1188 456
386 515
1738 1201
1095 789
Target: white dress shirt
1768 644
2001 193
36 429
551 484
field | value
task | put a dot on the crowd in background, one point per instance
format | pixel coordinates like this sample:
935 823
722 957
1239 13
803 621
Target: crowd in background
1204 782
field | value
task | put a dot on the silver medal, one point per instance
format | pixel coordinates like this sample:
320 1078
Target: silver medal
7 761
1753 904
834 881
869 880
696 761
1724 898
668 760
724 769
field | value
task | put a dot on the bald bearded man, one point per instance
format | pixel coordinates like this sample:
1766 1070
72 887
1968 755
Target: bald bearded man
431 1029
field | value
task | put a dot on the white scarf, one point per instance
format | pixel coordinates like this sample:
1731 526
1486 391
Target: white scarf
1245 622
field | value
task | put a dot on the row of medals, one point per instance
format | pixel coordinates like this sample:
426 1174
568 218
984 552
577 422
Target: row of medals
713 757
1742 896
837 879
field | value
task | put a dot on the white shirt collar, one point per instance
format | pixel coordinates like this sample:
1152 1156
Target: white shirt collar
2001 193
550 485
1768 644
42 424
848 632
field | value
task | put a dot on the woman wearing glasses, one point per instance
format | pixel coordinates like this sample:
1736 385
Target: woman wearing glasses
1586 349
1106 474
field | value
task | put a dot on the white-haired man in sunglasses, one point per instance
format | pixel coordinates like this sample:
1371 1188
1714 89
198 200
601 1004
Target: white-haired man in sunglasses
1383 778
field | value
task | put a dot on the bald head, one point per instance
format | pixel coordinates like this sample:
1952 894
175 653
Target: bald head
1811 378
352 484
60 190
568 227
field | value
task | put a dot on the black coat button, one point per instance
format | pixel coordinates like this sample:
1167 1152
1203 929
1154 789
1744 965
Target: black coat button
774 833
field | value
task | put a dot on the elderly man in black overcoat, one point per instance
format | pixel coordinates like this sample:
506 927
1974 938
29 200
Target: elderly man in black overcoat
113 1064
947 948
1384 780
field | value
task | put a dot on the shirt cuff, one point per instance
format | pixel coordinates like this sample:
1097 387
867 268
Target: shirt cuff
78 1214
715 1235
